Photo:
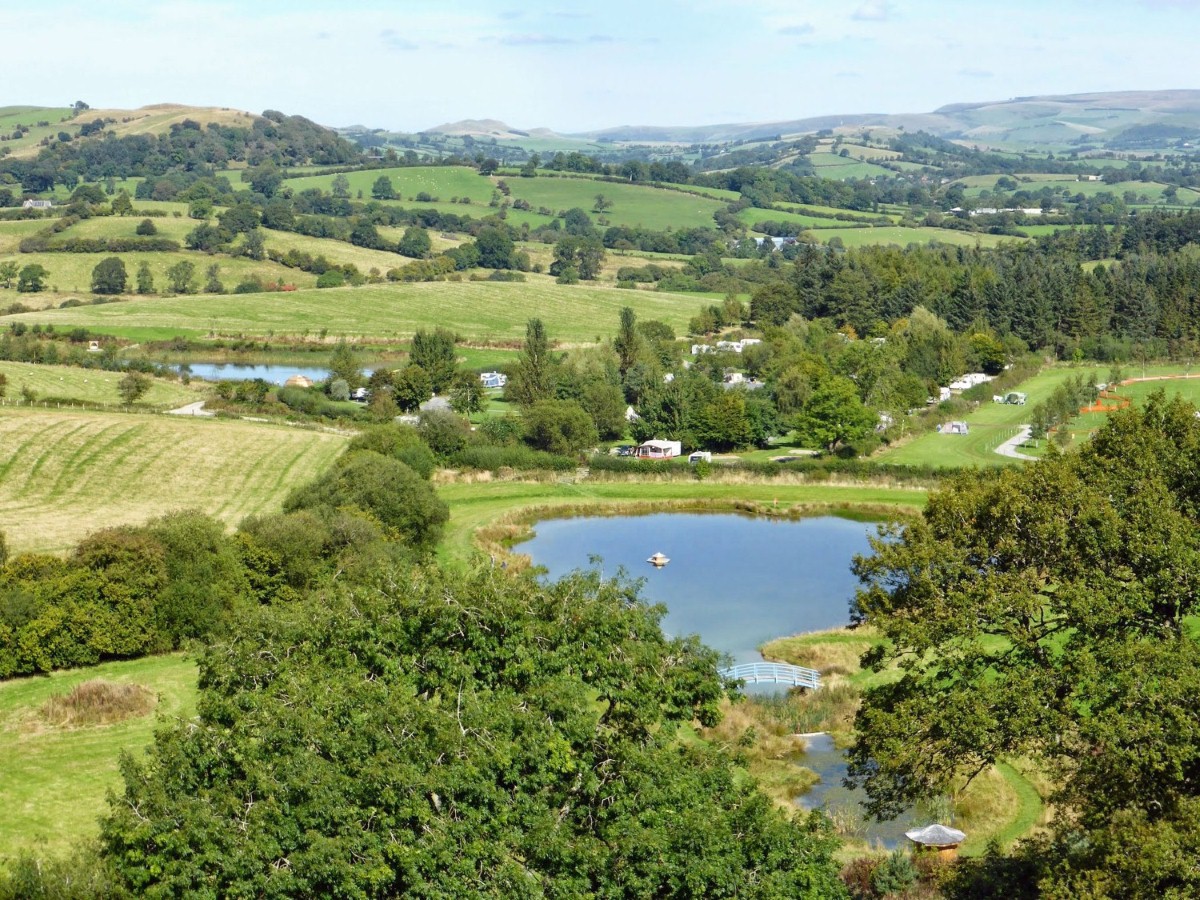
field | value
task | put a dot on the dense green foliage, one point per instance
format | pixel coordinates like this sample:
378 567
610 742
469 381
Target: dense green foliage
124 592
382 488
1049 612
441 736
273 139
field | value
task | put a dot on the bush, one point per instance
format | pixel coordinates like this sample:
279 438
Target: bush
559 426
401 442
384 488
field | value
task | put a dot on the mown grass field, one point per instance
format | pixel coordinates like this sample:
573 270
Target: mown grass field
479 311
55 779
65 473
91 386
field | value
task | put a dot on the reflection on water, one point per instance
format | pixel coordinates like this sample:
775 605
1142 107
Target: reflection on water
737 581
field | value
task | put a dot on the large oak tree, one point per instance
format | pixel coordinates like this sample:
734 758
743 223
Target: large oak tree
1049 613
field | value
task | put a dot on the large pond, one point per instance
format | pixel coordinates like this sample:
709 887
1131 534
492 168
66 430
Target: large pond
738 582
270 373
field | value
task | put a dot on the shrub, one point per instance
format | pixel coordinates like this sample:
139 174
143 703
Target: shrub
388 490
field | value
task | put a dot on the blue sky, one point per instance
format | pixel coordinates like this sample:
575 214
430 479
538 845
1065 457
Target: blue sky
412 64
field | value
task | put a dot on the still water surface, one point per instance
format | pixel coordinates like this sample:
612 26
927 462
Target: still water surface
737 581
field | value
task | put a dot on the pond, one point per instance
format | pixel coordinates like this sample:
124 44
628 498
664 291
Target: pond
268 372
737 581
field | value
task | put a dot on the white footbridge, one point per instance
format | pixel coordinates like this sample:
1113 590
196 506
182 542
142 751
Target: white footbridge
774 673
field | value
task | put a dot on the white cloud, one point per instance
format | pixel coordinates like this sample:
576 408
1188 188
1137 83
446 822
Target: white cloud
873 11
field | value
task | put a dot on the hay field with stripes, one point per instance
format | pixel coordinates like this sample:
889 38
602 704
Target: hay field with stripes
64 474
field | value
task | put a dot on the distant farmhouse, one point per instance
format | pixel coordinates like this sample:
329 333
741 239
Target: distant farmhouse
37 204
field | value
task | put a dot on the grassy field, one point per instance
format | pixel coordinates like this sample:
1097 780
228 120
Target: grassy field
57 119
12 233
92 386
476 310
861 151
55 779
71 273
633 204
478 504
841 168
750 216
903 236
65 473
440 182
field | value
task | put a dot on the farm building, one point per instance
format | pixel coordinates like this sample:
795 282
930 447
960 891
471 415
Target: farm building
658 450
38 204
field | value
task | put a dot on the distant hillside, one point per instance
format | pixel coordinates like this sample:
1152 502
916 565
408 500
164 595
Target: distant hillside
482 128
48 147
1109 120
24 128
